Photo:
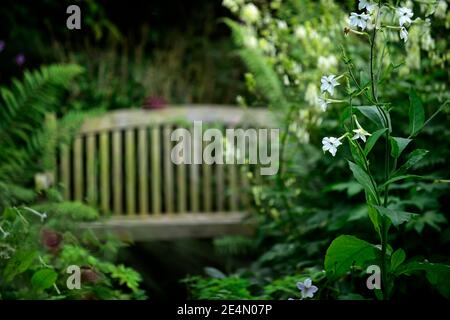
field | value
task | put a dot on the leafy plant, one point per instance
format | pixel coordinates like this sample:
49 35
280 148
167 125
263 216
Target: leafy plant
347 252
39 249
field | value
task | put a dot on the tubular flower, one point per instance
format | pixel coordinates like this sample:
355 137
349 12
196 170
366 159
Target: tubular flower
330 144
404 15
359 20
404 34
360 133
328 83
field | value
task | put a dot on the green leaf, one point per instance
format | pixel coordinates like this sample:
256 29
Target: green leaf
416 113
373 114
374 216
364 179
356 151
373 139
19 263
437 274
43 279
397 258
346 251
397 217
402 177
413 158
398 145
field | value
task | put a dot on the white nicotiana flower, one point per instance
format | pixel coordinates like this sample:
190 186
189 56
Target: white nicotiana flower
323 103
328 83
364 4
306 288
403 34
250 13
404 16
360 133
300 32
286 80
359 20
330 144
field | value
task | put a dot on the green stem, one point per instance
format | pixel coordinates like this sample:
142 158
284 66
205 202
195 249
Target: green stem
384 223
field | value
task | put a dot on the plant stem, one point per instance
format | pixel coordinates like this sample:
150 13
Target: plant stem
384 223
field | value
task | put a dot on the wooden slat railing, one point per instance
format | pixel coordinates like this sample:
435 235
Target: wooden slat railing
121 163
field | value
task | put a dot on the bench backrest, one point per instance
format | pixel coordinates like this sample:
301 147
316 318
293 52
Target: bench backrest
121 162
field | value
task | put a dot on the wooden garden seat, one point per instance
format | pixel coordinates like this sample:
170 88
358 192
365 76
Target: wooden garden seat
120 162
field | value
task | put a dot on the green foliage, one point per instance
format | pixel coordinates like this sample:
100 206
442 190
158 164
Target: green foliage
219 289
346 252
39 247
315 199
23 109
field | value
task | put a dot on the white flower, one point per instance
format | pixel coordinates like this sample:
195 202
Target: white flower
364 4
311 94
360 133
250 13
282 25
251 42
300 32
427 42
231 5
330 144
405 15
306 288
286 80
296 69
323 104
404 34
441 9
359 20
328 83
325 63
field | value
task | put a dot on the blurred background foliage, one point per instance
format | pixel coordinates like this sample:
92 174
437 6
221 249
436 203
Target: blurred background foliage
131 55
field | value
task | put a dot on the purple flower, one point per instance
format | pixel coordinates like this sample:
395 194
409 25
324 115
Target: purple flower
306 288
2 45
154 102
20 59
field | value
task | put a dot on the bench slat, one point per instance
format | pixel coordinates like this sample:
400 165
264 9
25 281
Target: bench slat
91 170
207 187
181 185
104 172
117 172
130 171
78 168
143 170
156 171
65 170
168 171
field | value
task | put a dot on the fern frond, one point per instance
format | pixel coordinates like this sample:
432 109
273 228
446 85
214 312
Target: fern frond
22 111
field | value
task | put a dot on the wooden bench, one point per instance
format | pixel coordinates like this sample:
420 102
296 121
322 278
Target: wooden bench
120 162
